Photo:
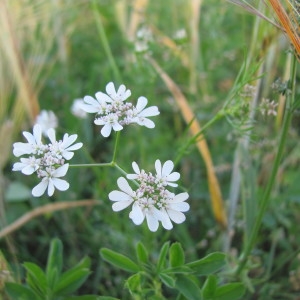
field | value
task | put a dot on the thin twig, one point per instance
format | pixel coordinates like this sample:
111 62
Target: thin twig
52 207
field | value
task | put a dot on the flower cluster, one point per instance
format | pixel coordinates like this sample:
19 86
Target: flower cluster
47 160
152 200
268 107
112 112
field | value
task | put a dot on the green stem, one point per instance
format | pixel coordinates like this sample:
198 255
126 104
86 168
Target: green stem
267 193
105 42
92 165
116 146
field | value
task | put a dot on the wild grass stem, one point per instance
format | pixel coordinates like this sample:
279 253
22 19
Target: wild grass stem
267 193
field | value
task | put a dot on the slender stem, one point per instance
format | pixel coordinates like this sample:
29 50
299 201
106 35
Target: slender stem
266 196
105 42
116 146
92 165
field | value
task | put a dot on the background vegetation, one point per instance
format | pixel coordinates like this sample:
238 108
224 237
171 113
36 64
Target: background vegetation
56 51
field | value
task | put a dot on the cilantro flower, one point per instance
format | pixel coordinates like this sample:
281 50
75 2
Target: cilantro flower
151 201
34 144
113 112
50 181
164 173
46 160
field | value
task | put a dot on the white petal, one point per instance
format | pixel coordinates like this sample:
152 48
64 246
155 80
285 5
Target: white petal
119 196
135 167
60 184
180 197
103 98
117 127
40 189
124 186
18 166
136 214
21 149
106 130
91 101
117 206
51 135
165 220
61 171
121 90
146 122
69 140
89 108
176 216
132 176
37 132
29 137
149 112
181 206
126 95
67 155
152 222
50 188
28 170
110 89
141 103
173 176
158 167
167 168
75 147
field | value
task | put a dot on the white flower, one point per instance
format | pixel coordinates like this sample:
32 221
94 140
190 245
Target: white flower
122 199
63 148
77 109
97 105
152 201
121 95
142 209
164 174
113 112
110 122
27 165
172 209
34 144
141 113
51 180
47 119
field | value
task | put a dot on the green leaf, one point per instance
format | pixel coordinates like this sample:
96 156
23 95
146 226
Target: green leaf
187 287
167 280
209 287
178 270
176 255
142 253
18 291
209 264
55 258
107 298
71 280
36 278
119 260
230 291
162 256
133 283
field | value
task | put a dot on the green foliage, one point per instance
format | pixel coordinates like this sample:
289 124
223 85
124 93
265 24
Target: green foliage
53 284
171 270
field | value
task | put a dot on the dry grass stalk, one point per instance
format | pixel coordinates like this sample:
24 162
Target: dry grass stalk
48 208
189 117
289 28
